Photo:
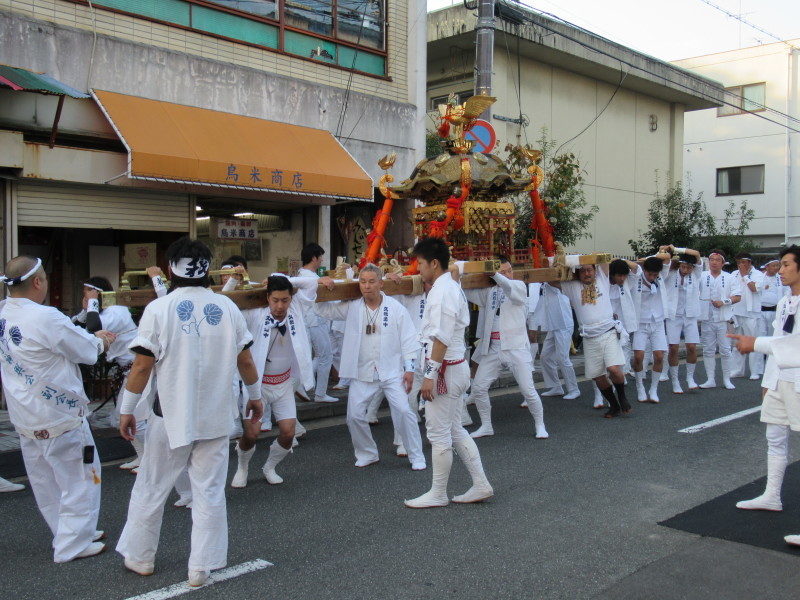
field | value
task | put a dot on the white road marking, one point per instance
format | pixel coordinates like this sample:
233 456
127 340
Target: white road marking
720 421
179 589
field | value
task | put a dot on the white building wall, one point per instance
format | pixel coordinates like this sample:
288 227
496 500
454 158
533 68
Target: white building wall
620 156
713 142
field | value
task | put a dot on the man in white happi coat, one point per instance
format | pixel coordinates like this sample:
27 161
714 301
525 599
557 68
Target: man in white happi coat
556 347
682 288
118 320
446 378
40 350
590 298
780 407
382 347
623 276
771 292
719 291
503 343
282 352
651 306
319 329
193 340
747 311
414 303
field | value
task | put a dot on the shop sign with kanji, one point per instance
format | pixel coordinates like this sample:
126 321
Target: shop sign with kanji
234 229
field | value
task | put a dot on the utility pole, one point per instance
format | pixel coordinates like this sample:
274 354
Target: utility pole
484 51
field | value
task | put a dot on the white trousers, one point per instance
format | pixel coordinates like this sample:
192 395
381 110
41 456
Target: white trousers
207 462
555 357
65 488
516 361
713 335
753 326
337 339
768 316
323 356
403 418
443 413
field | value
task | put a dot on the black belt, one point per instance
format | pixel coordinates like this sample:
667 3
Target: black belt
768 308
157 407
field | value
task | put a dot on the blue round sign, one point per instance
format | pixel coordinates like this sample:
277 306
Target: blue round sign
482 133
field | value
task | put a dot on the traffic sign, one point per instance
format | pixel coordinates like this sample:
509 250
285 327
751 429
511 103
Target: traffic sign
482 133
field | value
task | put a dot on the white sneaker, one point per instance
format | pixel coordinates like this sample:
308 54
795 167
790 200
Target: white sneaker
690 383
541 432
419 466
429 500
272 477
401 451
553 392
676 387
139 568
755 377
641 393
710 384
325 398
763 502
197 578
7 486
128 466
482 431
475 494
184 501
92 549
99 534
794 540
365 463
573 395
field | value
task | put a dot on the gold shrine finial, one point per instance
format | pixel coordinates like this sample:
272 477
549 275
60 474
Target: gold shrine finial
458 118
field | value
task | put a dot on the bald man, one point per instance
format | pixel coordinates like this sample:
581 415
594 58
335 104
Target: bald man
40 350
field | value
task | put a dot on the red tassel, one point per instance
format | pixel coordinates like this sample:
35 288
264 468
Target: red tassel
444 129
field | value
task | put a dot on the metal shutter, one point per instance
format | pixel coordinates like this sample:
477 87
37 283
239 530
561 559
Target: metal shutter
48 205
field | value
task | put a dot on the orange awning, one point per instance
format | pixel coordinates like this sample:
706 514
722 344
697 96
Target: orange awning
190 145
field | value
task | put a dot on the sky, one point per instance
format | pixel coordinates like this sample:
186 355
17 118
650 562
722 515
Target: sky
676 29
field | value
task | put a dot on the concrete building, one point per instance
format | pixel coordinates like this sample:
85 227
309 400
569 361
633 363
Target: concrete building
619 111
749 148
256 126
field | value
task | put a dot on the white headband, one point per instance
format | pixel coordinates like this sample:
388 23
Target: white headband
769 262
190 268
92 287
17 280
226 267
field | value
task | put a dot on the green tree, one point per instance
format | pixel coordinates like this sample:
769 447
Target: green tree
566 206
679 217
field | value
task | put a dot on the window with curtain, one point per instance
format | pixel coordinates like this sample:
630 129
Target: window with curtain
742 99
738 181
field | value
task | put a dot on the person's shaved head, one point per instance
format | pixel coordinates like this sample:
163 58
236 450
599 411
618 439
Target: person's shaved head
18 267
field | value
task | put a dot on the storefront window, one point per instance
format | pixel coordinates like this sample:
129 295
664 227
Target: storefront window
361 22
315 16
262 8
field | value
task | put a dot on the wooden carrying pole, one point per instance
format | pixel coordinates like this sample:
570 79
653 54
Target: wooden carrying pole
476 275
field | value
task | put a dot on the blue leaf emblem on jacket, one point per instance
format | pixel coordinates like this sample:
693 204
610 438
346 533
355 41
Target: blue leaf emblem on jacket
16 335
2 327
213 314
185 309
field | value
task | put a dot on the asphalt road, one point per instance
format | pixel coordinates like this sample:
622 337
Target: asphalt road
574 516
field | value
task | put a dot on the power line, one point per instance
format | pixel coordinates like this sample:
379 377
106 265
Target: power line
744 21
739 106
